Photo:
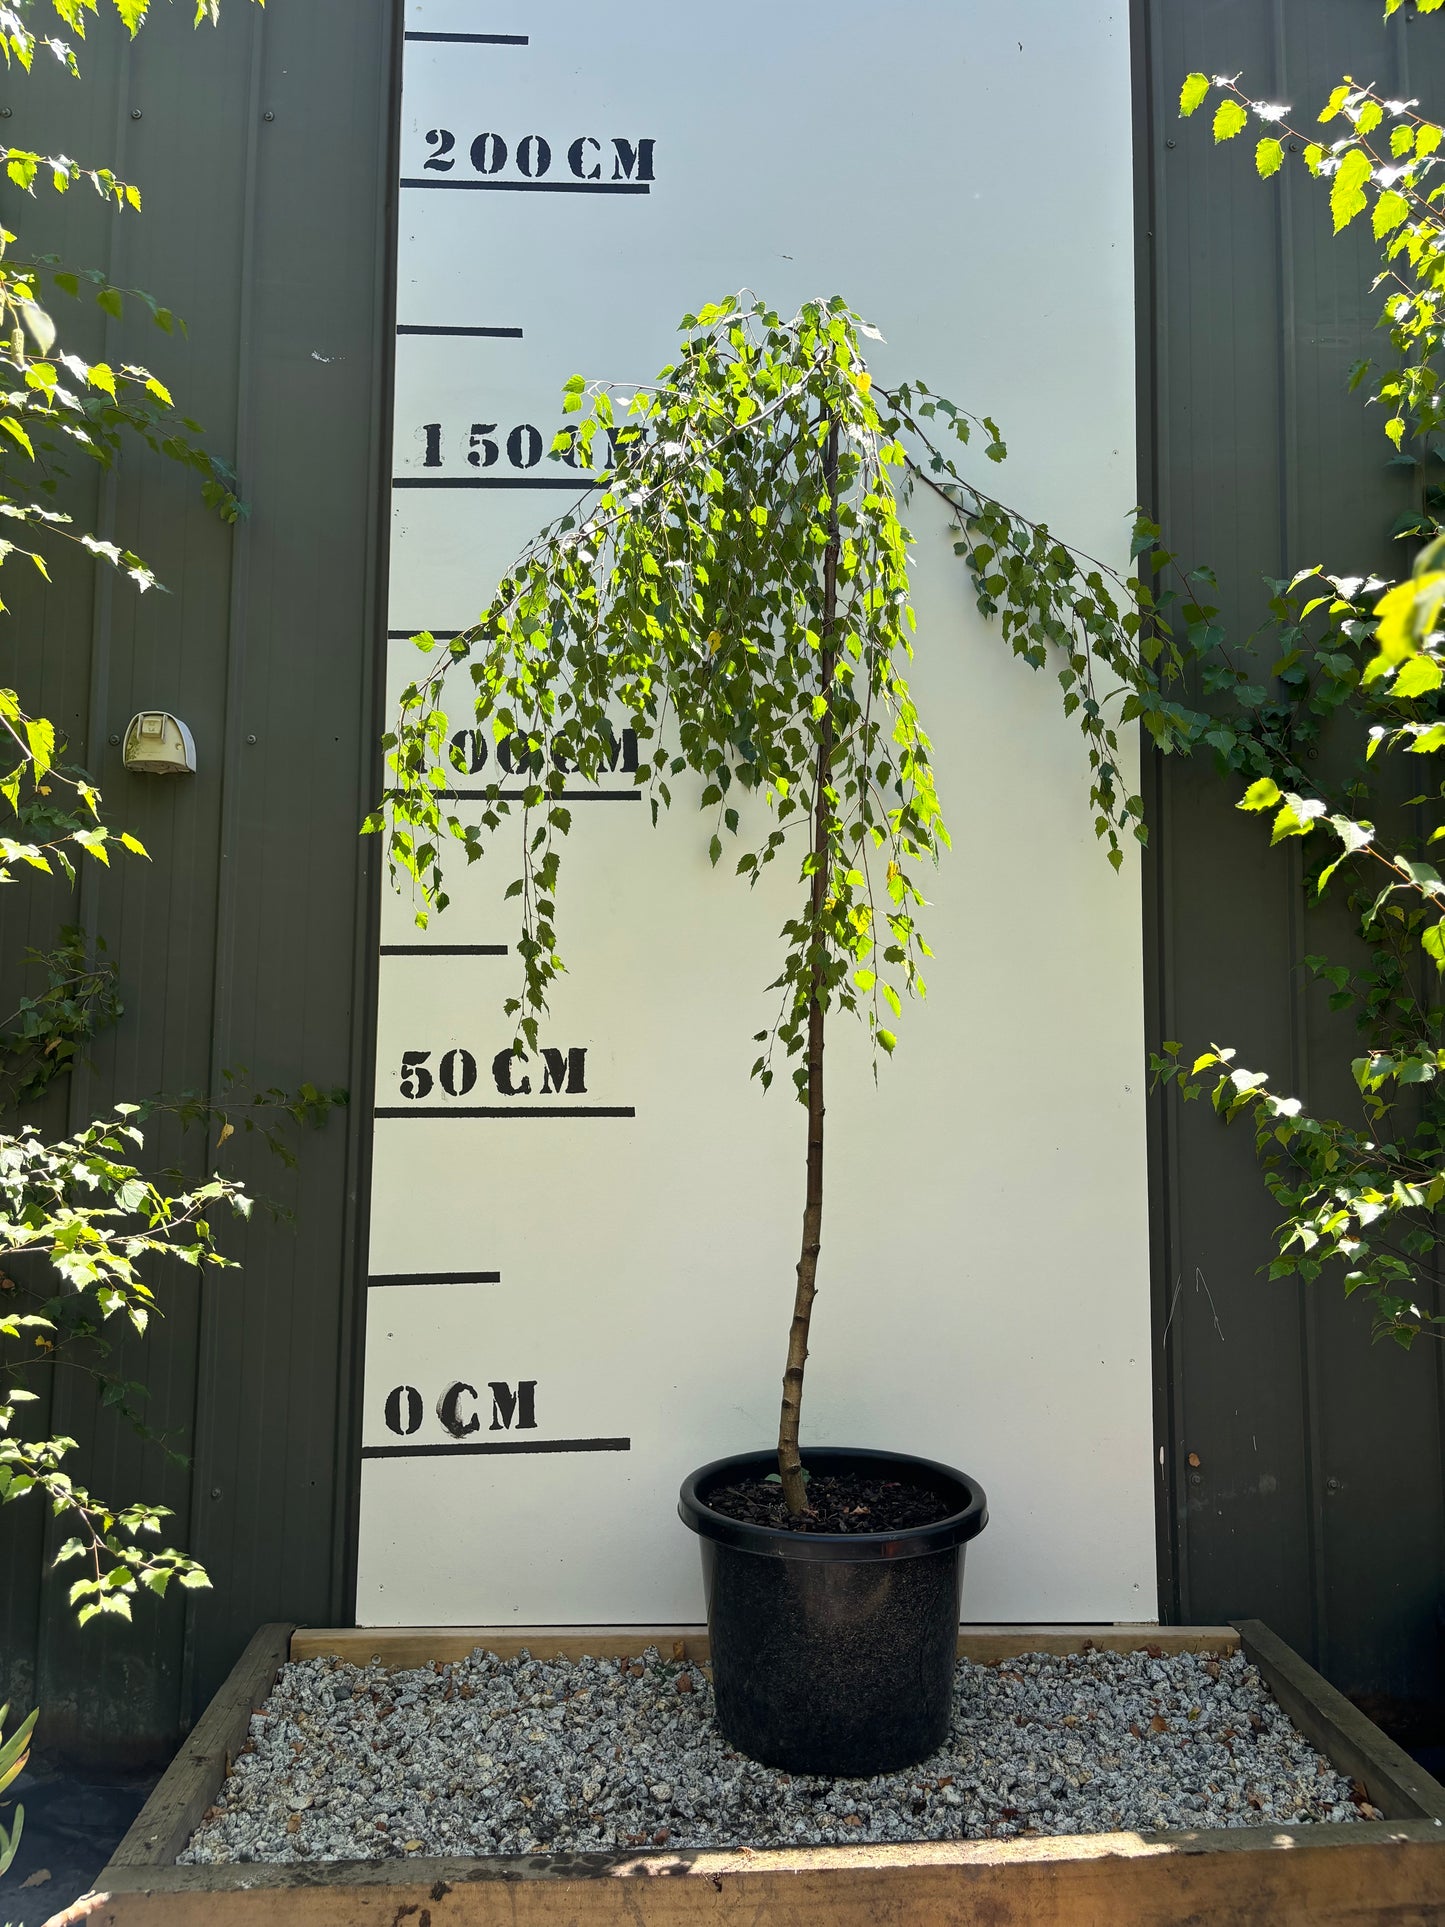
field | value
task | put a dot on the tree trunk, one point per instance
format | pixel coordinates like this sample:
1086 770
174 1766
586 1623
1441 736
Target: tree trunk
790 1465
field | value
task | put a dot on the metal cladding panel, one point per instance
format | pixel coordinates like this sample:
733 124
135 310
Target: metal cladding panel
263 151
657 1201
1316 1500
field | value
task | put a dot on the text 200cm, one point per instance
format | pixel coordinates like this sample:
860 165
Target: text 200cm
587 158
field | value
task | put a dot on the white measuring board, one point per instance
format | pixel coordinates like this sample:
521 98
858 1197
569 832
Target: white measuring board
583 1268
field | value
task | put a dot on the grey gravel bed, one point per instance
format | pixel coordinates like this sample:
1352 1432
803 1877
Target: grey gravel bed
492 1756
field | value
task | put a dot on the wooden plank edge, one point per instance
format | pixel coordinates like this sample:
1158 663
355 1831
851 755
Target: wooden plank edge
194 1777
1400 1788
710 1864
399 1647
1396 1879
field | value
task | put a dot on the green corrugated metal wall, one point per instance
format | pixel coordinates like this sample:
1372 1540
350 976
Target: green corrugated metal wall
1317 1500
264 152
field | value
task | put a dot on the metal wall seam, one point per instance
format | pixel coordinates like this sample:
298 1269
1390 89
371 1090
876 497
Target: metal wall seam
352 1335
208 1364
1292 878
1151 350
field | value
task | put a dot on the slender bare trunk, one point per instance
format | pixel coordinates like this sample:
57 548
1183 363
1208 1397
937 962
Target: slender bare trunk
790 1465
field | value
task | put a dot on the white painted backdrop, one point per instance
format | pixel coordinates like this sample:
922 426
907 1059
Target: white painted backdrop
960 171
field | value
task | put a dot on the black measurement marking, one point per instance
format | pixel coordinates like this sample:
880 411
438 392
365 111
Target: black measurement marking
542 187
483 444
432 328
576 485
504 1110
445 950
473 39
495 1445
520 796
560 1072
491 155
436 1278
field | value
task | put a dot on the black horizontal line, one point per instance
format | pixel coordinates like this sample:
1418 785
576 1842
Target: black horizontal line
495 1445
445 950
505 1110
567 796
542 187
477 39
490 481
437 1278
430 328
438 635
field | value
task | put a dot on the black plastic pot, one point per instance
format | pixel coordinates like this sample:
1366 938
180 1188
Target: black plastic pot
832 1652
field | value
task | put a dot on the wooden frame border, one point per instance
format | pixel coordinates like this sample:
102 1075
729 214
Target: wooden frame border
418 1645
1392 1869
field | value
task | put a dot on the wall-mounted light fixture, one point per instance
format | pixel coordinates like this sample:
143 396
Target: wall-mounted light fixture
159 744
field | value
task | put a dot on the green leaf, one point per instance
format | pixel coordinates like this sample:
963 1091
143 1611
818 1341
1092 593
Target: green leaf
1347 189
39 326
1263 794
1229 119
1416 677
1391 211
1193 93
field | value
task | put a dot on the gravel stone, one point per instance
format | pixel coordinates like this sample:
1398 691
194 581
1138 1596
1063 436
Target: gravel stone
528 1755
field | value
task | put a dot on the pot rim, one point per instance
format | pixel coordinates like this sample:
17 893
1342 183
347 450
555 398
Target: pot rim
942 1535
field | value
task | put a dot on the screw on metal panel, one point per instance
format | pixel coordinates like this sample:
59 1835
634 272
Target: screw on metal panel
113 738
1196 1478
1171 143
268 115
4 113
250 739
1332 1485
135 113
215 1492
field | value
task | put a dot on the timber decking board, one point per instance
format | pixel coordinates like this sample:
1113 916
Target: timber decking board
1396 1785
409 1646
